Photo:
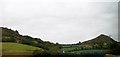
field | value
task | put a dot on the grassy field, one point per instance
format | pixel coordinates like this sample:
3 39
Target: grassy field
75 49
87 52
71 47
15 48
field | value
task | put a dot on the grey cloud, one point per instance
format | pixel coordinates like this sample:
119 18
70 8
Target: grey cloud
62 21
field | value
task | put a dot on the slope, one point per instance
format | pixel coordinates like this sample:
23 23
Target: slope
16 48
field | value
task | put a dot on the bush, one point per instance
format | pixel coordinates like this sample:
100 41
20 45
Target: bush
38 52
115 49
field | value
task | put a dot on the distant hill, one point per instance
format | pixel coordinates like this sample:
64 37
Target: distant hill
101 41
99 44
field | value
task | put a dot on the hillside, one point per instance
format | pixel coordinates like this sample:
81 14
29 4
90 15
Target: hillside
13 41
101 44
9 35
101 41
16 48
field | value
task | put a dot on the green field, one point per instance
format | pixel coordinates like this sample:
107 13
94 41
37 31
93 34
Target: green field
69 48
16 48
76 49
86 52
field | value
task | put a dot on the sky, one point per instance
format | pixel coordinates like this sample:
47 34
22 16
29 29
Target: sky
62 21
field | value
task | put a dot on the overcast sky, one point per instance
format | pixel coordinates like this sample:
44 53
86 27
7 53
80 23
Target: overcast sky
63 21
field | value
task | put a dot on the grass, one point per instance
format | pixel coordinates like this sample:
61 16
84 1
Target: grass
75 49
16 48
87 52
69 48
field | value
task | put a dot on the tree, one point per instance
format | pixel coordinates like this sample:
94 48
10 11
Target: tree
78 43
115 48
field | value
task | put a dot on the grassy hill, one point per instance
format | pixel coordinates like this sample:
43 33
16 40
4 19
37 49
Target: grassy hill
102 41
15 43
9 35
100 44
16 48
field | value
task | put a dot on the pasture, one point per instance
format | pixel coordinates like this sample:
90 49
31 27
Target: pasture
17 49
